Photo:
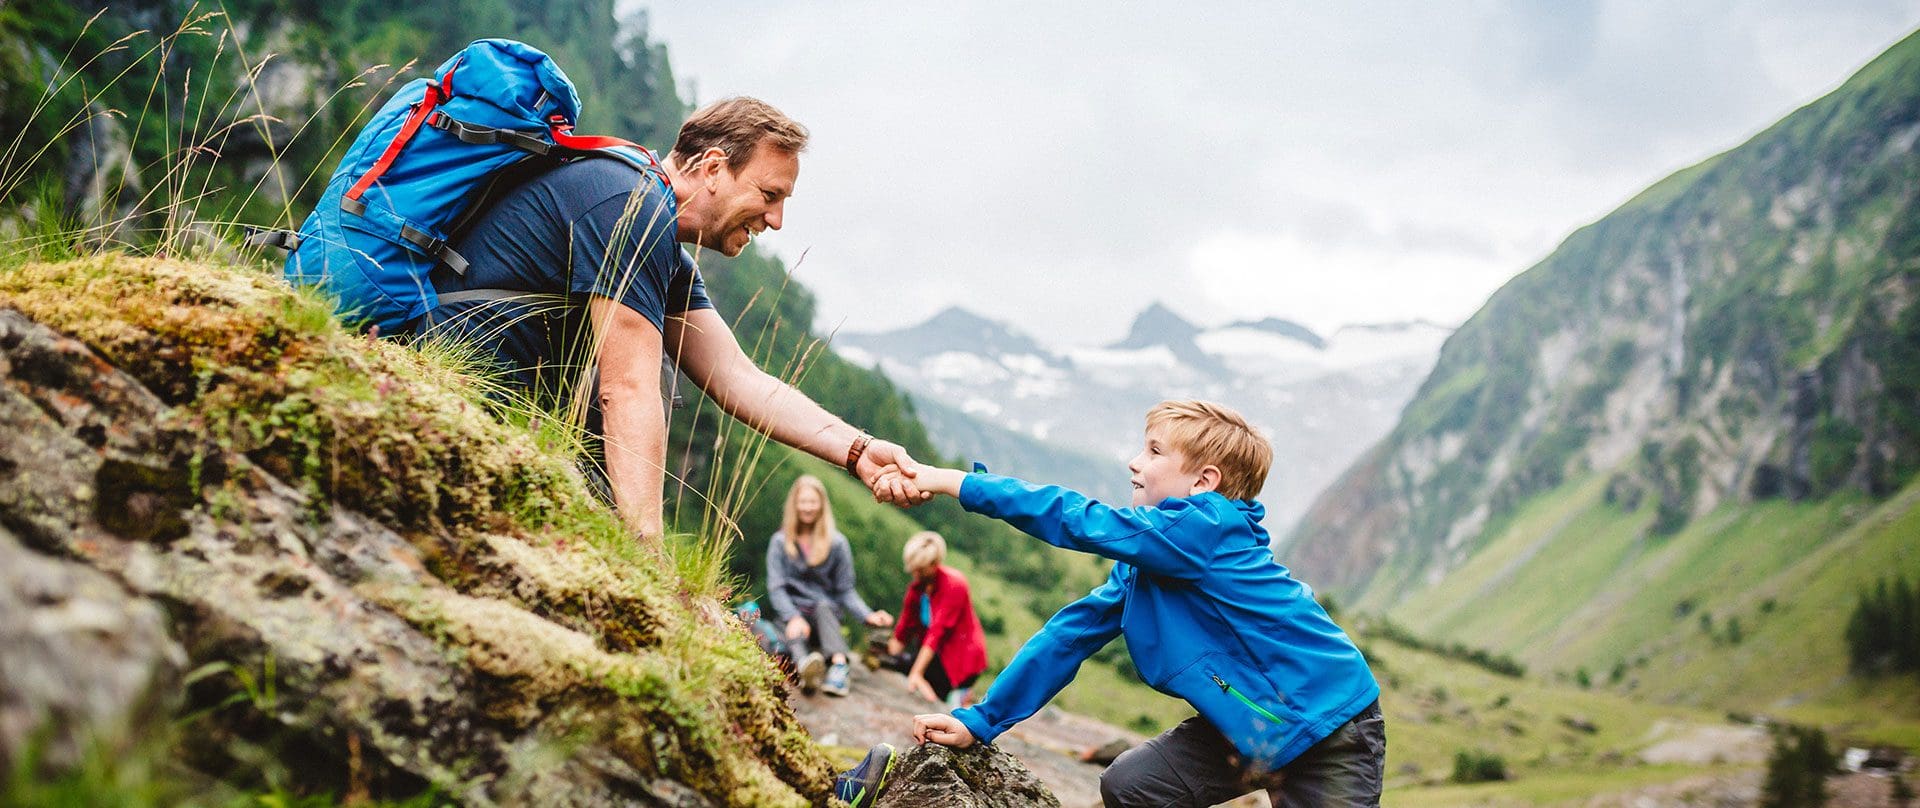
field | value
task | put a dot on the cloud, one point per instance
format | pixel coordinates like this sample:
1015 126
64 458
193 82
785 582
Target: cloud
1064 164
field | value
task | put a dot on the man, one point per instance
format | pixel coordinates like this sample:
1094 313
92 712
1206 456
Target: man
580 268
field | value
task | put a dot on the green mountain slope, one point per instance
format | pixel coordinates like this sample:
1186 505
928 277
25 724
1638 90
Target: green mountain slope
1704 407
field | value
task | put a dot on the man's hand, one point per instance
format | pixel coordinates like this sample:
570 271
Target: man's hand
918 685
879 618
942 729
929 480
887 469
797 628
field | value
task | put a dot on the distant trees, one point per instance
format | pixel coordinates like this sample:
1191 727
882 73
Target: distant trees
1502 664
1883 635
1797 770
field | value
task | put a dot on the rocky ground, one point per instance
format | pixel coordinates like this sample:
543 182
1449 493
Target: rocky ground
879 708
1050 744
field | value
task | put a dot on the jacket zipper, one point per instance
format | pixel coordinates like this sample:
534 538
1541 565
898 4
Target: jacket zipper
1229 690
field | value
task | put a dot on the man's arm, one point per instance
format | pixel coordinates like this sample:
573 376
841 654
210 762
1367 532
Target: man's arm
705 349
635 428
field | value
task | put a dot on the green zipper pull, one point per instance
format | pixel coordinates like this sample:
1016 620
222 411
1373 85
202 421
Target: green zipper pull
1242 697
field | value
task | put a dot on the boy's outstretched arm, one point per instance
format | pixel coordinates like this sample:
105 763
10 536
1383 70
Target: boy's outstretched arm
1174 541
1045 664
929 479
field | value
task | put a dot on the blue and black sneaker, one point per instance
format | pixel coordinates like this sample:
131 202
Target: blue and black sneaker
861 786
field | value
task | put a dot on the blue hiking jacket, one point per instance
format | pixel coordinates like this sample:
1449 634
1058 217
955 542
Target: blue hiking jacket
1209 617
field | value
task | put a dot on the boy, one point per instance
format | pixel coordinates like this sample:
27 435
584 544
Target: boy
1285 700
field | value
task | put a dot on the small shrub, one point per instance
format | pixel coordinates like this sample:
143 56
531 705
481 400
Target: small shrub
1475 766
993 622
1797 770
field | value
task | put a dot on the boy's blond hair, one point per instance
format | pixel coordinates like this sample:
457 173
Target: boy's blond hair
1208 434
924 549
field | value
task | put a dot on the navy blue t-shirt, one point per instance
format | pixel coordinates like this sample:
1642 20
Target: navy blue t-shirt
595 226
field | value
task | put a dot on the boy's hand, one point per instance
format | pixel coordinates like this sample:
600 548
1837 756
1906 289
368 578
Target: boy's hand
879 618
887 469
942 729
797 628
929 480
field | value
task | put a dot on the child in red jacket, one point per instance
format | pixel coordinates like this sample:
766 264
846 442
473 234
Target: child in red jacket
936 621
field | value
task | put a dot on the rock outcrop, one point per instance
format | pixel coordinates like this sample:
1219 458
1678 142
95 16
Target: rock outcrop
979 776
224 519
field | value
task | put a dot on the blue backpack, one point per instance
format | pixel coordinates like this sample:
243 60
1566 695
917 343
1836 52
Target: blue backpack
425 162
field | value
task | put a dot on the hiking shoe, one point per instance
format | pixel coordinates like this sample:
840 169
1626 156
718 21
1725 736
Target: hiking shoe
861 785
811 669
836 680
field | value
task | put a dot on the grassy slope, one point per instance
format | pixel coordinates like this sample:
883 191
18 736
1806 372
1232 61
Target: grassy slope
1571 582
1436 707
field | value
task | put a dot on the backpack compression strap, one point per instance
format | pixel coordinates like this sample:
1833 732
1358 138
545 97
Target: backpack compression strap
436 93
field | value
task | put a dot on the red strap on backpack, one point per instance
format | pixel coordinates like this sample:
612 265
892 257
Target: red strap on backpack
436 93
564 137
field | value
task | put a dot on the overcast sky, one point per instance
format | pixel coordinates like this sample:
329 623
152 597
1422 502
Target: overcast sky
1062 165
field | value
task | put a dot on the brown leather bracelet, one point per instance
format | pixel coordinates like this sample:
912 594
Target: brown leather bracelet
854 452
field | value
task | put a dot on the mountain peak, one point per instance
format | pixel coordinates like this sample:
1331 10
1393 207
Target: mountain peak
951 329
1285 328
1158 325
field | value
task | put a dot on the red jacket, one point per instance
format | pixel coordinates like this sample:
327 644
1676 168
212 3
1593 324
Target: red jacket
954 631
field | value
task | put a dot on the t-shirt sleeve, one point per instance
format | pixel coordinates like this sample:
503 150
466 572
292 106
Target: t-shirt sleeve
623 249
688 292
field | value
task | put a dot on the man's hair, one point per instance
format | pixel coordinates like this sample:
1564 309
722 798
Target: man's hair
924 549
1207 434
735 126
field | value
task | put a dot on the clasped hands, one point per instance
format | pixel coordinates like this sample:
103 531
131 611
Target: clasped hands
886 468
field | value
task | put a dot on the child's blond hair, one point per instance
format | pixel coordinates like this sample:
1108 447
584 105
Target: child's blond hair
1208 434
924 549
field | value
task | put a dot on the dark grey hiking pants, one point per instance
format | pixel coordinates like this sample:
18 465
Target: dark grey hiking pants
824 619
1193 765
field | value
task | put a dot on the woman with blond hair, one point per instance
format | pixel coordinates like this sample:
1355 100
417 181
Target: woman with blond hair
938 622
810 585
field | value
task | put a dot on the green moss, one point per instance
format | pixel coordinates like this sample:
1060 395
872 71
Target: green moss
573 627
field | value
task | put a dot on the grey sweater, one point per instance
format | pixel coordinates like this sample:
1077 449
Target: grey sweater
792 584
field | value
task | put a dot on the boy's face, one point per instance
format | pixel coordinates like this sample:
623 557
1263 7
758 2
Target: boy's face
1159 472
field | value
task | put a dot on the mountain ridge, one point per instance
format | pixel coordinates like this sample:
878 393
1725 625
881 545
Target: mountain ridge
1739 338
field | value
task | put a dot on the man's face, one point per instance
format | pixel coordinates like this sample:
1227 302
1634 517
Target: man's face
1158 472
732 207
